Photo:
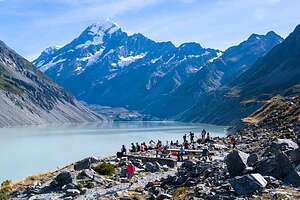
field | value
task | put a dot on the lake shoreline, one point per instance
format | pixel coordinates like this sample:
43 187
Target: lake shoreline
69 143
230 174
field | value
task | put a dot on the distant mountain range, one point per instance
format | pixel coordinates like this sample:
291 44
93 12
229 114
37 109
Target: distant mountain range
28 97
276 73
106 66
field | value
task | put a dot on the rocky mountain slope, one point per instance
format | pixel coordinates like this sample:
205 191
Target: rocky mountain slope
277 73
28 97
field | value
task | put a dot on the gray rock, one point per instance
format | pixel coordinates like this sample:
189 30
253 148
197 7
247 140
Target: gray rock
62 179
277 166
85 163
72 192
295 155
69 186
188 164
137 163
273 182
236 162
89 173
293 178
248 184
151 167
252 159
284 144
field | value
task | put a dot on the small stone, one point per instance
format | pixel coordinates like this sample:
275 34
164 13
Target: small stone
72 192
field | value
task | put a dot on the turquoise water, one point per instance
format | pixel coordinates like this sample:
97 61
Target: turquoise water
30 150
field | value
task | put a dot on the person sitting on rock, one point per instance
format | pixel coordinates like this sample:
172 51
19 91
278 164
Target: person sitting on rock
138 147
142 147
186 145
133 148
151 144
130 171
145 146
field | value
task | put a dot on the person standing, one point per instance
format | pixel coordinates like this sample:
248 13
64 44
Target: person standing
205 153
181 153
184 138
130 172
233 142
192 135
123 150
203 134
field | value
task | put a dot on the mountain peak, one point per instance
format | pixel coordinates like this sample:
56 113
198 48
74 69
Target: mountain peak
51 50
272 34
269 35
103 26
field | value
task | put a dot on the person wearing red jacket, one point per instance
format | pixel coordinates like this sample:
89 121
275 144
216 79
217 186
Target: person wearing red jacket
130 170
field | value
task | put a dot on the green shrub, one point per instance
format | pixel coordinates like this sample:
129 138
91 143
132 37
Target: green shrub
5 190
105 169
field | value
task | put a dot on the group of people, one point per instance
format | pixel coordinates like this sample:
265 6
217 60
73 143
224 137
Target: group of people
163 148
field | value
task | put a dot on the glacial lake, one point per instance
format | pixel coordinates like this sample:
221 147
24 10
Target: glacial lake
30 150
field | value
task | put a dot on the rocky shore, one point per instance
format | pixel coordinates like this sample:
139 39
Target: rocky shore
262 166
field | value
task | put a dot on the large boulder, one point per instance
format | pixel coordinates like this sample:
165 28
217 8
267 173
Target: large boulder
236 162
277 166
85 163
293 178
63 178
248 184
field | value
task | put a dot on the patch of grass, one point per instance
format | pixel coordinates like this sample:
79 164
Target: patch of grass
180 193
105 169
5 190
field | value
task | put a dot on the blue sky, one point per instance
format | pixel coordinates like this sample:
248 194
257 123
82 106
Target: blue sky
29 26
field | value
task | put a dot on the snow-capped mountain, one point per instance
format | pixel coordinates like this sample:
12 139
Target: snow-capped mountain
106 66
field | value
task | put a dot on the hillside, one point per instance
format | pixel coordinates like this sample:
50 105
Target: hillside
28 97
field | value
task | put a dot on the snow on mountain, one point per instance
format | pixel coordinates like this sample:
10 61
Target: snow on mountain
125 61
106 66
